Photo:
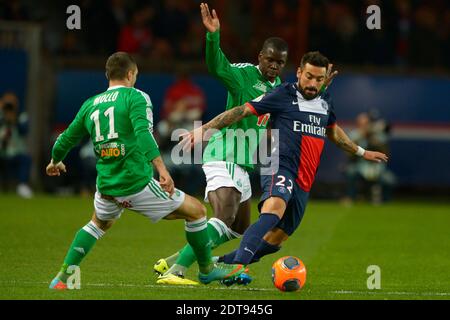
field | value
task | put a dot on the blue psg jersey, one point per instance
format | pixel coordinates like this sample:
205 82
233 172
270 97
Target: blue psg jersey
302 128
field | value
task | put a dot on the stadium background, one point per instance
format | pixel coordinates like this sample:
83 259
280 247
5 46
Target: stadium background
402 70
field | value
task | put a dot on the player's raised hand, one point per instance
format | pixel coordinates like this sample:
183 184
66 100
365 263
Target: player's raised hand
166 182
55 169
330 75
375 156
211 21
190 139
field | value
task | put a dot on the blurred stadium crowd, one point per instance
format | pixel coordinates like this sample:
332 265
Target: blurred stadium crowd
415 33
415 36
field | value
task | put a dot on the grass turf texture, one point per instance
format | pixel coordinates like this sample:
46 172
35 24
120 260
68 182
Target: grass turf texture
409 241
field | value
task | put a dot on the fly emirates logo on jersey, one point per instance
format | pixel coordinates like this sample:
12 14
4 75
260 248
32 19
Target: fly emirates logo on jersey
314 112
314 126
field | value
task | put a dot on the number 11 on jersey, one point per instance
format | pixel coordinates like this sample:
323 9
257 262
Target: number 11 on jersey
109 113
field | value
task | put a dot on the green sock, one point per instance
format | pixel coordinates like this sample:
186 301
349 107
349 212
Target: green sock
198 238
187 257
84 240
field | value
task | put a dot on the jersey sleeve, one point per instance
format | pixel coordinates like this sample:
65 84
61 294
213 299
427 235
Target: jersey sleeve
70 137
332 121
268 103
219 66
141 117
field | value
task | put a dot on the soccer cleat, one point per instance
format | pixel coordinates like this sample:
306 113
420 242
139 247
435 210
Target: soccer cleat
215 259
243 279
221 272
57 284
174 279
161 267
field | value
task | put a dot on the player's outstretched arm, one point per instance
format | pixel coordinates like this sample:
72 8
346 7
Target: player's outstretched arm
229 117
216 61
55 169
221 121
165 180
210 19
340 138
329 78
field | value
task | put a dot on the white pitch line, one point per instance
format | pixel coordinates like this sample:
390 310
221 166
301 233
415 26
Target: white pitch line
396 293
240 288
156 286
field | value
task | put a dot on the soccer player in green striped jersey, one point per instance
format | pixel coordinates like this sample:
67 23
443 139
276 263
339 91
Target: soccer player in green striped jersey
228 185
119 122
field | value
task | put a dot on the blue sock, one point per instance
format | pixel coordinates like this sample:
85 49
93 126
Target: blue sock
228 258
264 249
254 236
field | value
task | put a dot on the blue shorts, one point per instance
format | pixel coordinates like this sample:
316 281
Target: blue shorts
282 184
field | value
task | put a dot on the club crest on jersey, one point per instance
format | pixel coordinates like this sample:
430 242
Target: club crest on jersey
282 190
260 86
317 105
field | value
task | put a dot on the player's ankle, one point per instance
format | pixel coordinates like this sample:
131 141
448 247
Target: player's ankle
177 269
62 276
205 269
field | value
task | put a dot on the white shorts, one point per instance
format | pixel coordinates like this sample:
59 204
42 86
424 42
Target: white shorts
227 174
151 202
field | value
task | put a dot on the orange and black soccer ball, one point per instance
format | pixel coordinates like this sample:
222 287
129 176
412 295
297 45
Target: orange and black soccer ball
288 274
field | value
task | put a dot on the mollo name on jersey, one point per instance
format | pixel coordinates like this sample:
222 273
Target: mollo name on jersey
108 97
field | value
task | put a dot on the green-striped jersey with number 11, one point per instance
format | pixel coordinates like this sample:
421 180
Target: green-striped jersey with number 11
244 83
119 123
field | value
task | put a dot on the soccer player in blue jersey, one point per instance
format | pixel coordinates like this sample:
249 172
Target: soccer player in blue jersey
304 117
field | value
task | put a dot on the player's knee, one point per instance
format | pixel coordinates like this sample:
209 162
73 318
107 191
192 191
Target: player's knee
274 205
198 209
240 227
103 225
228 218
202 210
226 212
276 237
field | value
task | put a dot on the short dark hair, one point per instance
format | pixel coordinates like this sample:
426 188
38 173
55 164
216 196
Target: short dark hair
275 43
314 58
118 65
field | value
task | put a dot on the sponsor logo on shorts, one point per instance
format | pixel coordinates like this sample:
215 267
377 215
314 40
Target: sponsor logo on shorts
125 204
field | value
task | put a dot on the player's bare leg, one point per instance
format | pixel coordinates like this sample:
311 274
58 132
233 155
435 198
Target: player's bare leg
254 244
83 242
225 204
272 211
276 237
198 238
271 243
185 211
243 217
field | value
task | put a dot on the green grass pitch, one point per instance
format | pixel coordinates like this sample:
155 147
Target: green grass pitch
409 241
